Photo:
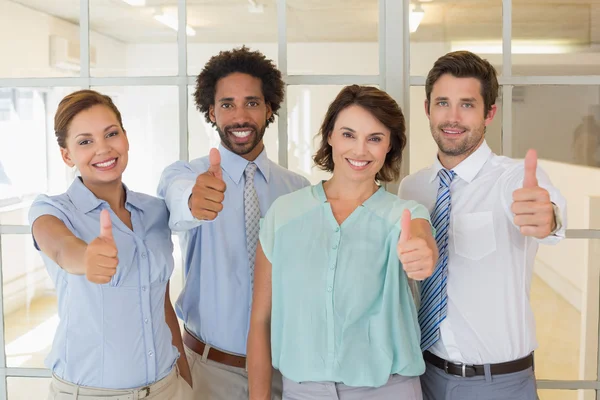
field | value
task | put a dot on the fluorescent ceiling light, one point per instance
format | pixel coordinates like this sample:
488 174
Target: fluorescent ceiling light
135 3
172 23
517 47
415 17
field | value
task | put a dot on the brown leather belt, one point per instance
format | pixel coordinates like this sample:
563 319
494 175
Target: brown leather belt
215 355
467 371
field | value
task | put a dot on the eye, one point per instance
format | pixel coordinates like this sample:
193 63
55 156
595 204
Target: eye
442 103
376 139
226 105
346 134
468 105
253 104
84 142
111 134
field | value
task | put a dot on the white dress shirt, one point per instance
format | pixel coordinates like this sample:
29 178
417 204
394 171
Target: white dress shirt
490 262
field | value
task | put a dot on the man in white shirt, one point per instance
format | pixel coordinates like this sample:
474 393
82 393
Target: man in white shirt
490 213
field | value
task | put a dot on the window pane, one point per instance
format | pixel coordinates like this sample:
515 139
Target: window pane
151 119
563 124
41 37
30 309
213 21
27 133
132 40
27 388
556 38
547 394
202 135
455 25
564 298
326 37
423 148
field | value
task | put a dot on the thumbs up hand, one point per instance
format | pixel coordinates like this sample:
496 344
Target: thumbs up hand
414 251
100 256
208 193
534 214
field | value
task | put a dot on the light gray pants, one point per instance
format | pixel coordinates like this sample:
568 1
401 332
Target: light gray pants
438 385
397 388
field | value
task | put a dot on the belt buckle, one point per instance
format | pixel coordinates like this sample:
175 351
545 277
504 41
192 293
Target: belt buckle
145 391
463 368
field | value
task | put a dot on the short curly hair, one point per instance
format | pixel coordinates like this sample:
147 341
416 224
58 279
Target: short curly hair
241 60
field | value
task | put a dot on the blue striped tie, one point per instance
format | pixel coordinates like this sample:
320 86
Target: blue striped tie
434 301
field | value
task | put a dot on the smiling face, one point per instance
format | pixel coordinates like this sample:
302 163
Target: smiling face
457 116
240 113
97 145
359 144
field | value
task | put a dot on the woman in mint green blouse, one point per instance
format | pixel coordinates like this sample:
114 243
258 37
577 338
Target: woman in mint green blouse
332 309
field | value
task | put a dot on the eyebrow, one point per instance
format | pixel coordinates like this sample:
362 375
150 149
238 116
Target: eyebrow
223 99
370 134
85 134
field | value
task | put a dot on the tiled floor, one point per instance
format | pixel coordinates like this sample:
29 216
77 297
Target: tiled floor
29 333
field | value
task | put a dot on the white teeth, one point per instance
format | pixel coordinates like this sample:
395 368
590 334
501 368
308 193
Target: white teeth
107 163
241 134
358 163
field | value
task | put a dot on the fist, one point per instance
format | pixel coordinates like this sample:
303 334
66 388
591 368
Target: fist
100 256
208 193
414 253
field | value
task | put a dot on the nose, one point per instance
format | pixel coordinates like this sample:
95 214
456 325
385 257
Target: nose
360 147
102 147
454 114
241 115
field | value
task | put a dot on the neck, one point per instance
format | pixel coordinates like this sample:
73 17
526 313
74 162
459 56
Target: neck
337 188
113 193
450 161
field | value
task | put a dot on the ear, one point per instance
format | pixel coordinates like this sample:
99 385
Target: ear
426 107
211 113
66 157
269 111
490 115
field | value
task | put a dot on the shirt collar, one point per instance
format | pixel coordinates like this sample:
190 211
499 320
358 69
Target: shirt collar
86 201
234 165
370 203
468 169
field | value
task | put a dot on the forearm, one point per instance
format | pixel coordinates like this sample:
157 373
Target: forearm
70 255
259 361
173 323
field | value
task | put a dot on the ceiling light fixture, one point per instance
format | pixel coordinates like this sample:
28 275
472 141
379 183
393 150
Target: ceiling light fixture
415 17
173 23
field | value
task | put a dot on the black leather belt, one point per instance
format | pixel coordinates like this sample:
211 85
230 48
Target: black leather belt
467 370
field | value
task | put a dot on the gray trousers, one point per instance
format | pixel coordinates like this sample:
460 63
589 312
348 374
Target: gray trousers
438 385
397 388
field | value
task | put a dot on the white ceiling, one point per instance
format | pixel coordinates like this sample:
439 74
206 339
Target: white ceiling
230 21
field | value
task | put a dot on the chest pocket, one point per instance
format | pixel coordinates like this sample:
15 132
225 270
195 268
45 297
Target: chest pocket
159 247
127 269
474 235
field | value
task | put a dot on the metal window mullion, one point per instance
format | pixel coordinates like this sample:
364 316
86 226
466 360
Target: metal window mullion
282 122
3 385
382 44
84 43
182 80
507 90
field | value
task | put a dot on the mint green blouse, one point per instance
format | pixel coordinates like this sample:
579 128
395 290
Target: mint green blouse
342 310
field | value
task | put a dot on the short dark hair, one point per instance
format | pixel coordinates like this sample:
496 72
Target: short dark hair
464 64
241 60
383 107
74 103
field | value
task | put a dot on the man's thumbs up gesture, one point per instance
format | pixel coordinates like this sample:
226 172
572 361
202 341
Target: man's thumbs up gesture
206 201
416 254
534 213
100 256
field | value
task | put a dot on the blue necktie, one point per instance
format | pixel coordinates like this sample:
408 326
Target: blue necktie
434 300
251 216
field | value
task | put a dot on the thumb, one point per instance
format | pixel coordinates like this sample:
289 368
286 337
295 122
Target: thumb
530 179
214 158
405 226
105 226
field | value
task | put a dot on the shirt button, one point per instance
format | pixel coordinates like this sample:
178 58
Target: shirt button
144 288
337 229
146 320
332 267
143 255
334 246
329 289
150 353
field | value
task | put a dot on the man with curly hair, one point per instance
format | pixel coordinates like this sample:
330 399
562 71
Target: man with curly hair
215 204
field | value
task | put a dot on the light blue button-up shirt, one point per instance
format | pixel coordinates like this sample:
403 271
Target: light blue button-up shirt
215 301
115 335
342 310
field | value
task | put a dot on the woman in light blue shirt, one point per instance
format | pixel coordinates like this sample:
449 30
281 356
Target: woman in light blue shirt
109 252
332 309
